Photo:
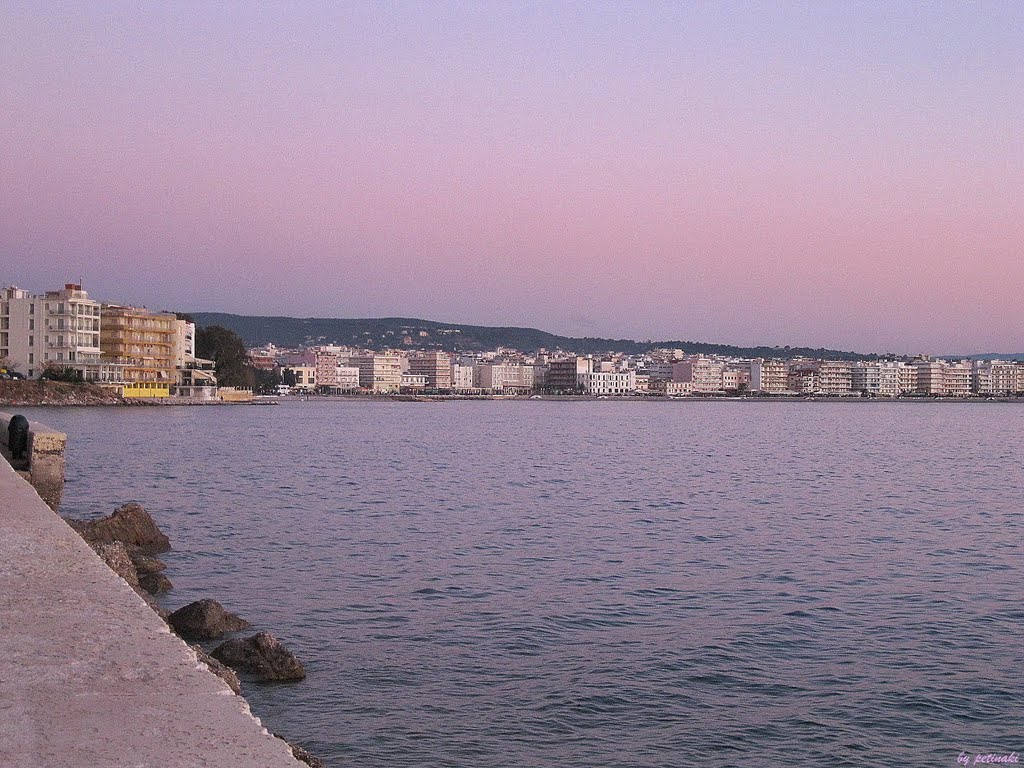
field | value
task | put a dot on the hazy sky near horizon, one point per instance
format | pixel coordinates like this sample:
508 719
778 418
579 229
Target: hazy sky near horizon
842 174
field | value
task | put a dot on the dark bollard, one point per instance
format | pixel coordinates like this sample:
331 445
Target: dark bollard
17 437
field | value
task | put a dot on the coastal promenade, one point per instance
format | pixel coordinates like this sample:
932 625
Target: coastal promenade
89 675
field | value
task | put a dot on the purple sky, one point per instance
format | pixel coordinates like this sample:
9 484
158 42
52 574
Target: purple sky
840 174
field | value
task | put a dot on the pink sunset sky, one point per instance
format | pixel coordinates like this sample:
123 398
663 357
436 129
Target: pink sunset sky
848 175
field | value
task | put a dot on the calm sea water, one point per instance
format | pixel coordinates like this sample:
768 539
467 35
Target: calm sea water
599 583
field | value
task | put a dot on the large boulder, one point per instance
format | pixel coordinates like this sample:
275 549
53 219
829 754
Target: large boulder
261 655
223 672
205 620
129 524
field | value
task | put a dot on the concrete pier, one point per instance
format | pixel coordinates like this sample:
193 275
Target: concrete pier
90 676
44 467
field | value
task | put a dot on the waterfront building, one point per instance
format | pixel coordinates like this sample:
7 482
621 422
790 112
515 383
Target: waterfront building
196 377
563 375
956 379
326 369
882 378
435 366
142 344
379 372
671 388
941 377
462 377
997 377
802 377
414 381
504 377
55 329
607 382
304 376
659 370
736 377
347 378
768 376
704 374
833 377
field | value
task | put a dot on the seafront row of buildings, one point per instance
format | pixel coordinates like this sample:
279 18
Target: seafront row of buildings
131 350
141 353
665 372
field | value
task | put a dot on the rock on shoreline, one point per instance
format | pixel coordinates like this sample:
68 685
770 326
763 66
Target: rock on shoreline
262 655
130 524
205 620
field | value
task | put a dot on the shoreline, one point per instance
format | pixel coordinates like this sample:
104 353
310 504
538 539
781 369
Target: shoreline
278 400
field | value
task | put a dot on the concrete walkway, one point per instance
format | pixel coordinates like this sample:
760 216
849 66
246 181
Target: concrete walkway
89 675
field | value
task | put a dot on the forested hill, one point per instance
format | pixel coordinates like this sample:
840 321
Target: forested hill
398 332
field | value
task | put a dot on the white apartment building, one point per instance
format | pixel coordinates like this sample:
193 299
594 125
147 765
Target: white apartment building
607 382
462 377
884 378
997 377
941 377
347 377
58 328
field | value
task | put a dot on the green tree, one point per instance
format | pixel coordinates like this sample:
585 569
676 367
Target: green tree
227 350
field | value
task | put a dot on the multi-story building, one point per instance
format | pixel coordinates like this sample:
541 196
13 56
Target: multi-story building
608 382
660 370
435 366
768 376
802 377
143 345
563 375
956 379
735 378
504 377
326 369
347 378
379 372
941 377
304 376
883 378
56 329
997 377
414 381
196 376
462 377
703 373
833 377
671 388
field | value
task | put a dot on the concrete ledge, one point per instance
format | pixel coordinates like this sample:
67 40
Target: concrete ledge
45 458
89 675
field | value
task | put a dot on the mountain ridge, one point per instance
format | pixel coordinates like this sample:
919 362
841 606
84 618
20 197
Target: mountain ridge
391 332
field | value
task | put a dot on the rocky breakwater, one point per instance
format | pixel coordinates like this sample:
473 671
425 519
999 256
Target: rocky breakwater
127 541
42 392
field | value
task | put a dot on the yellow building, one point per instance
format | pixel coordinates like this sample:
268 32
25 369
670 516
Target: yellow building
142 344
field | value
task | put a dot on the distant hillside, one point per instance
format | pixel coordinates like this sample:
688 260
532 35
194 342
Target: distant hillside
398 332
988 356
